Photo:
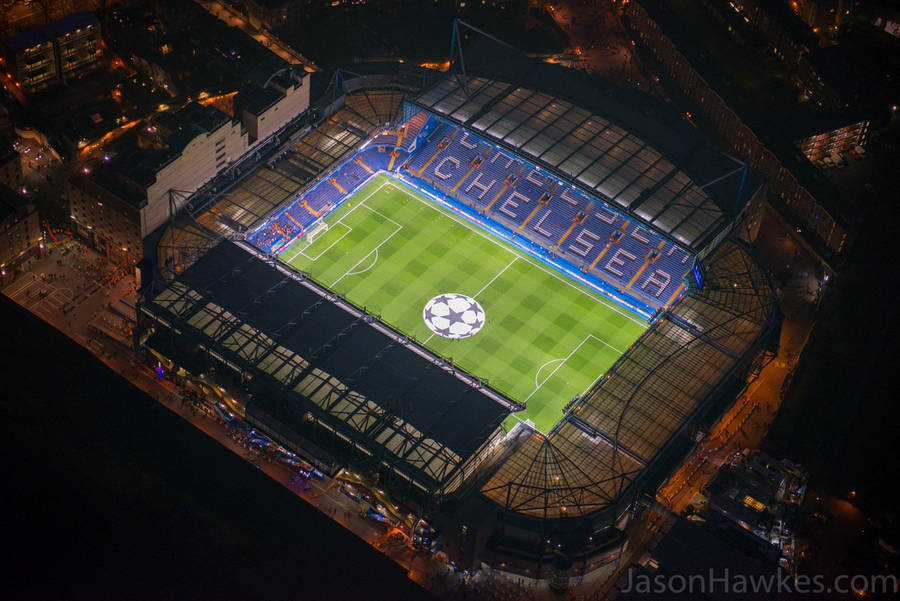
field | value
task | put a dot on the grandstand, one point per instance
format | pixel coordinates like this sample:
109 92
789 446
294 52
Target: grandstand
529 172
232 212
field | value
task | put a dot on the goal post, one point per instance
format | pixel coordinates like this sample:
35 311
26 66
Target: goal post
316 231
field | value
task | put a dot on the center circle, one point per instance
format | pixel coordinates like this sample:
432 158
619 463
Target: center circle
453 315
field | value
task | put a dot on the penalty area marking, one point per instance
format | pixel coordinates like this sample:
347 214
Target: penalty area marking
541 368
352 269
339 221
347 230
367 268
563 362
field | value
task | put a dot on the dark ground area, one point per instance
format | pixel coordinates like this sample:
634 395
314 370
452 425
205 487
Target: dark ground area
841 416
108 495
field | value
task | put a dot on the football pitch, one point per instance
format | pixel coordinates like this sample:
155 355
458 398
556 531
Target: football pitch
545 338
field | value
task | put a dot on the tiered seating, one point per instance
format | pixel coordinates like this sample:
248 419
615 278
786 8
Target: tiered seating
412 129
426 151
402 137
563 215
386 137
653 283
454 162
350 176
375 160
488 180
557 217
284 228
323 195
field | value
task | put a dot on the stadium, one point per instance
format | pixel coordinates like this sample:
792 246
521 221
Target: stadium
510 295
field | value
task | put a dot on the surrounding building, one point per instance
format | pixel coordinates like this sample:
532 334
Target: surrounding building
825 17
20 232
709 558
887 22
30 59
761 495
152 170
78 44
105 214
830 140
791 38
184 49
61 51
274 94
268 14
10 166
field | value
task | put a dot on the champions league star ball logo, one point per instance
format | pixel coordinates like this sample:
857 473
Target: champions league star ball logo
453 316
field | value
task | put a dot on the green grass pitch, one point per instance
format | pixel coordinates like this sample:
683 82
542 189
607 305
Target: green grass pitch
546 337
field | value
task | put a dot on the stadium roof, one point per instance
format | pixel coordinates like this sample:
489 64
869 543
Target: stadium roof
44 34
622 426
620 145
307 348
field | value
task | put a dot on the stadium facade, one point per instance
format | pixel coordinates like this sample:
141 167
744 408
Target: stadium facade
343 389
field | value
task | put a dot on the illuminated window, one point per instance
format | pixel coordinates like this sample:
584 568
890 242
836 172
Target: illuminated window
753 503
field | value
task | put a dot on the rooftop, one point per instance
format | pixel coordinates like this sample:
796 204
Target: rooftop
26 40
59 28
688 549
199 52
72 23
10 202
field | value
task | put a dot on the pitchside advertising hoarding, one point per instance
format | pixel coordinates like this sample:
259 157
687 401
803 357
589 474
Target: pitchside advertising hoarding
697 273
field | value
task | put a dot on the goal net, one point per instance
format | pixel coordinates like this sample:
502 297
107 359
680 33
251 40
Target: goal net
316 231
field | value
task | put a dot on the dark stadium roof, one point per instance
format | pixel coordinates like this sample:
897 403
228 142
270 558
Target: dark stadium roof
367 381
70 23
618 144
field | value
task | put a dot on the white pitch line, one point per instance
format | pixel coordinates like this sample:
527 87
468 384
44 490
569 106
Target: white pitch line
347 230
566 281
556 369
372 193
569 356
367 268
355 265
502 271
538 372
